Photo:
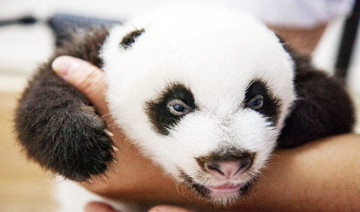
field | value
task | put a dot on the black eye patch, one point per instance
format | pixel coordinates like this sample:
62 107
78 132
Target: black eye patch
129 39
271 104
158 112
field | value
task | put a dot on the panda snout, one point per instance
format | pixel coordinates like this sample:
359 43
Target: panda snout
227 169
226 164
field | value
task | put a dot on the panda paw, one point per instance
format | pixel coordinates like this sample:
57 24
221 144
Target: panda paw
72 142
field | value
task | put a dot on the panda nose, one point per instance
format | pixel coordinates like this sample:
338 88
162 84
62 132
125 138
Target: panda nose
226 169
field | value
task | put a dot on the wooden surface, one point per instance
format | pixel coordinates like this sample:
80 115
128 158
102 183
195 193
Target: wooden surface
24 187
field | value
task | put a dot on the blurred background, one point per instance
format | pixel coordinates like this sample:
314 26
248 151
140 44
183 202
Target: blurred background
24 186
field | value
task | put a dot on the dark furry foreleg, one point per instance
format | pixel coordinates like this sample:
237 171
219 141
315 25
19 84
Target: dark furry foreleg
57 125
323 108
59 128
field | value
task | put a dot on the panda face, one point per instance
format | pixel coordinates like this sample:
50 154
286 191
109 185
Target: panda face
204 96
226 145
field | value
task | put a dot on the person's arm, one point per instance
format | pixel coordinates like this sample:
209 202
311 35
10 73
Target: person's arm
303 40
322 175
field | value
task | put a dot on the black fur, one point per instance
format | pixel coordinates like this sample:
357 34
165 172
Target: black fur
323 107
130 38
57 125
270 103
195 186
224 155
158 113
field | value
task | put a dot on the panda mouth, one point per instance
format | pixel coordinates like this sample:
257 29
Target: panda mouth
217 192
226 191
226 188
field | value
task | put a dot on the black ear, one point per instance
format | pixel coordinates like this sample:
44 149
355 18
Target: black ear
323 107
129 39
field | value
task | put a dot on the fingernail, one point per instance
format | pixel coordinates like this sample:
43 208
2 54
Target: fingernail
64 64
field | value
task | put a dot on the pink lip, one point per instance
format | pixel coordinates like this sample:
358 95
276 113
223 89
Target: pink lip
226 188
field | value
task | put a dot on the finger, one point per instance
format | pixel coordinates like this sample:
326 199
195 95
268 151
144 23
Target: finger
98 207
85 77
168 208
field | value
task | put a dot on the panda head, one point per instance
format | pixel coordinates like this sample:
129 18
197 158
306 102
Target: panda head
203 93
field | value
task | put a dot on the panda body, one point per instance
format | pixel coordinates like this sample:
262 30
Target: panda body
206 93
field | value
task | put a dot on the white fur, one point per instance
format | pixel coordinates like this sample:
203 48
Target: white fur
214 52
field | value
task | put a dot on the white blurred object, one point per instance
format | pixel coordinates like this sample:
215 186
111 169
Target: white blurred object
325 54
23 48
73 197
295 13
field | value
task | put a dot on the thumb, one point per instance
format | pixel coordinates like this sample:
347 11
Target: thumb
85 77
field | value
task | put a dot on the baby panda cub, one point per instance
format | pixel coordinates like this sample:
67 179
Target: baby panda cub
206 94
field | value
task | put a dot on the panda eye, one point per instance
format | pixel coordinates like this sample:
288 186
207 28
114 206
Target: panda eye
256 103
178 108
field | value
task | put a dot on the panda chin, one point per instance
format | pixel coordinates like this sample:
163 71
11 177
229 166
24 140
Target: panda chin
224 194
